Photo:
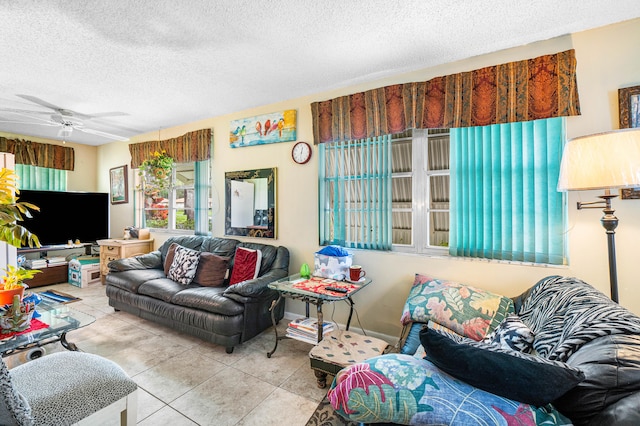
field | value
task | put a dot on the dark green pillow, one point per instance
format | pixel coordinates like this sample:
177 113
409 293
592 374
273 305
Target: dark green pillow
519 376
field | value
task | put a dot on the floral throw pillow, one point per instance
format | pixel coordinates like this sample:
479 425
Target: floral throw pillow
184 266
466 310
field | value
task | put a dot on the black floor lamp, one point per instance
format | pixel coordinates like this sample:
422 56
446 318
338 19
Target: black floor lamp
606 161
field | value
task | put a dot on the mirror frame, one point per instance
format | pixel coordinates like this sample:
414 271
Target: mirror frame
257 232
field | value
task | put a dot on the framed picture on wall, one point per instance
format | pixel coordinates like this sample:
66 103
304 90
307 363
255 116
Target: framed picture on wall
118 185
629 109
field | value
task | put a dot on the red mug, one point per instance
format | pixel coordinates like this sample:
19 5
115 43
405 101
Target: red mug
356 272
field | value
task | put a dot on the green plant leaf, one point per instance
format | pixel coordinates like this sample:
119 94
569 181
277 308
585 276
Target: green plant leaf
399 406
453 298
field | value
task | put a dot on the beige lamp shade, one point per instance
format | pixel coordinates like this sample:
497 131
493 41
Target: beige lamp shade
603 160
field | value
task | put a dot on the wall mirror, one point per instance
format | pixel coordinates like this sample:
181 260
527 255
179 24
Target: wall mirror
250 203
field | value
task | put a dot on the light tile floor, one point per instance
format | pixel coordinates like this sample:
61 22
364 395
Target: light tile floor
186 381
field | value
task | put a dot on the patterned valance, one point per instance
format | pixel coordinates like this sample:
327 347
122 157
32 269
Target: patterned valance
192 146
39 154
531 89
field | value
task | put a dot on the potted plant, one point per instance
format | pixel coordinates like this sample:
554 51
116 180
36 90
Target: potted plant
12 211
12 283
156 172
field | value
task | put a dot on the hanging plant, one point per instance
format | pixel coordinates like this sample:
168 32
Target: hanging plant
156 172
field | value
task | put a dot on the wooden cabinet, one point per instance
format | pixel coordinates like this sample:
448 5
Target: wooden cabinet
120 249
51 275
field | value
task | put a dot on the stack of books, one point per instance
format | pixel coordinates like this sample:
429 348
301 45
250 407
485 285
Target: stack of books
35 263
306 329
56 260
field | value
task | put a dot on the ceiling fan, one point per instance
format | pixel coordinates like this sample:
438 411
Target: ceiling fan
68 120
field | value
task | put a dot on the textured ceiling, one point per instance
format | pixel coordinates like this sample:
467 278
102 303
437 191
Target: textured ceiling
161 63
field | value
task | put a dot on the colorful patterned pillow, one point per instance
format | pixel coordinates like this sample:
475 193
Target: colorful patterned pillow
402 389
468 311
512 334
212 269
526 378
184 266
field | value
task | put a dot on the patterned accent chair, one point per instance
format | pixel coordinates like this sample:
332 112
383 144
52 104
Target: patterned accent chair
67 388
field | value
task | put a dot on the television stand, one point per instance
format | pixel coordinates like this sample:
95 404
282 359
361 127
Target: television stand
51 274
44 249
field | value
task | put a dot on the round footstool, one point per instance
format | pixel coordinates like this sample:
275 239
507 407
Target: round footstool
340 349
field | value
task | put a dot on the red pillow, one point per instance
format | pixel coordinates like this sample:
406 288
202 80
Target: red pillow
246 265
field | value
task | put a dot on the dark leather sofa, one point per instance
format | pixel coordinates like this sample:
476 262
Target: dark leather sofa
225 315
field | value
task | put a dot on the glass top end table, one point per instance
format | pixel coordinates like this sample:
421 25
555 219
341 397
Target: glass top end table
60 319
317 291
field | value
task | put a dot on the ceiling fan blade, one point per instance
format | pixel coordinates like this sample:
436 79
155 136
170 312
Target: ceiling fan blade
35 119
102 114
65 111
111 125
50 123
40 102
103 134
24 111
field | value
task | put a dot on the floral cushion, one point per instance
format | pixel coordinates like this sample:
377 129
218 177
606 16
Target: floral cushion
466 310
406 390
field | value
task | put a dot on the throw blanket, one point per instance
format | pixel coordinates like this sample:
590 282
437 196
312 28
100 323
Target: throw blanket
565 313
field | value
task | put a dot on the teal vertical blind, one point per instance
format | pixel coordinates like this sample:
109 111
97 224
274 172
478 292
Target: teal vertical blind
41 178
504 202
202 188
355 193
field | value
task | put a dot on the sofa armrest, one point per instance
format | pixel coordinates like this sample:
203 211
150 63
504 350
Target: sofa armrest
152 260
257 287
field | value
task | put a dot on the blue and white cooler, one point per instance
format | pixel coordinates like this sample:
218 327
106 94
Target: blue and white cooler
84 271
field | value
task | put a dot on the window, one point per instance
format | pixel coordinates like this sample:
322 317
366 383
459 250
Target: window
421 191
355 193
184 206
501 182
505 204
41 178
372 192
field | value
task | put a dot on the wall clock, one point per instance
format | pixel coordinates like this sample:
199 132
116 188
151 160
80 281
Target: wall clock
301 152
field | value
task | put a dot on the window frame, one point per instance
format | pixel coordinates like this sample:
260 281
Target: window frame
172 208
421 195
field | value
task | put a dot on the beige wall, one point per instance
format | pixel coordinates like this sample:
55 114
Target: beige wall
605 63
84 177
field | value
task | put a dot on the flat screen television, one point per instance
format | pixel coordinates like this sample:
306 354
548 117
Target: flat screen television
65 216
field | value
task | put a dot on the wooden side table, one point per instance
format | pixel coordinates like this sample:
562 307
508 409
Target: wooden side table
119 249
